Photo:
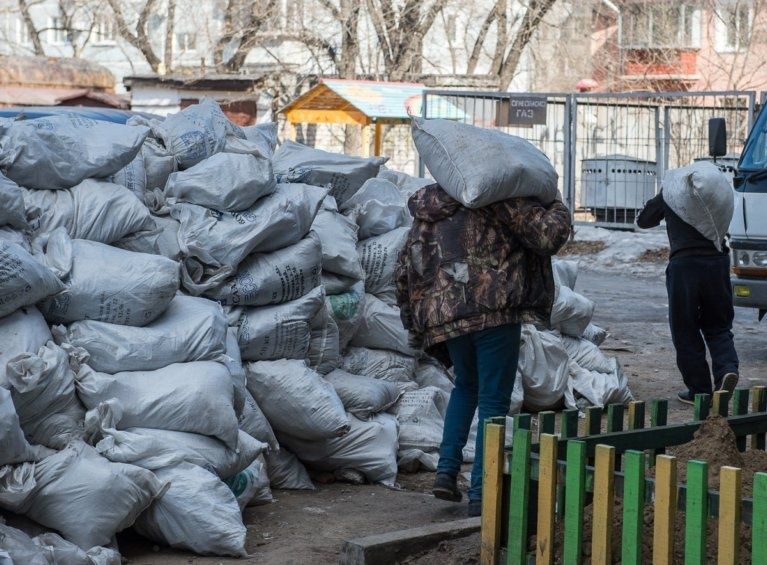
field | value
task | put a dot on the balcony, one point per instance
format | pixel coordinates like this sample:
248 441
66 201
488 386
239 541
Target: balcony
652 66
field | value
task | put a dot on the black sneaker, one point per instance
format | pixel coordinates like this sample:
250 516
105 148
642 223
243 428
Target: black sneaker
475 508
446 488
686 397
729 382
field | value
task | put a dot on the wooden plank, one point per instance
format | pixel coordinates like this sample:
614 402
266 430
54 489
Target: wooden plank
658 418
601 534
636 415
702 406
615 417
759 520
740 407
378 139
569 424
758 404
492 491
720 404
665 510
516 541
547 423
575 496
633 508
547 492
593 420
327 117
729 516
696 513
676 434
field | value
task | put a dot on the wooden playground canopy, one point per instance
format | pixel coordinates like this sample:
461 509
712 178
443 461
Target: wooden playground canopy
359 102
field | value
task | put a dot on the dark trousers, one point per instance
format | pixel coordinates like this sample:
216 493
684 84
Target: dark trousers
485 367
700 315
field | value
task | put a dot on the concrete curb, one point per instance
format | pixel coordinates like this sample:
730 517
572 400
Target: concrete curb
384 549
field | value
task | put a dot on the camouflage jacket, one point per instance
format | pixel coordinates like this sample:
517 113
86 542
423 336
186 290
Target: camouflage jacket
465 270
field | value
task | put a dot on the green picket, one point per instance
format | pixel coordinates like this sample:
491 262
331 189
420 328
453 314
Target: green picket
696 513
636 415
633 507
593 420
575 496
658 417
522 422
615 418
759 519
547 422
569 424
516 542
702 406
739 408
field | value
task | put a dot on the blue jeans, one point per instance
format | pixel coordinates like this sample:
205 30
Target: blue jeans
485 367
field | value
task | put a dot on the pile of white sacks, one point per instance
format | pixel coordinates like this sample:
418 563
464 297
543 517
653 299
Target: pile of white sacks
188 319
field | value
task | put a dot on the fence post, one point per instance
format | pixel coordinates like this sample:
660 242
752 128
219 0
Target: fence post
758 404
696 513
424 101
575 496
729 516
516 544
571 150
492 489
633 508
547 492
601 534
665 510
759 519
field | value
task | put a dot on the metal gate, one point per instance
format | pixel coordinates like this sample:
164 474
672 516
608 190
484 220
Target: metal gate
609 149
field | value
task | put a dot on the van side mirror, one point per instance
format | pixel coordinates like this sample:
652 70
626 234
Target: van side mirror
717 137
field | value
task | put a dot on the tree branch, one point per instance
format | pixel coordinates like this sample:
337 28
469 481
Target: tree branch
37 44
471 64
535 12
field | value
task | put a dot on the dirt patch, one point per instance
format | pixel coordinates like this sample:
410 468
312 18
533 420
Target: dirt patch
460 551
655 256
582 248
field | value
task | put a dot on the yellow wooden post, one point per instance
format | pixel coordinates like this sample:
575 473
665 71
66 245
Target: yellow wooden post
729 516
601 534
377 146
290 130
665 510
547 495
492 493
366 141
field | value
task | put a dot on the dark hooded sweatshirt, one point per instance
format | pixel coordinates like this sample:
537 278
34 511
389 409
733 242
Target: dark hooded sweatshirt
465 270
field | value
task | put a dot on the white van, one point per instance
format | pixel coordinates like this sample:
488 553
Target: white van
748 230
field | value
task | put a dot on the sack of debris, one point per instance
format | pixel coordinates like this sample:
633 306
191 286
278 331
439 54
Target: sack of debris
61 151
186 397
324 353
421 417
338 235
14 447
195 133
369 447
251 485
286 471
430 372
343 174
43 391
346 309
264 136
215 243
381 328
105 283
153 448
363 396
701 195
282 331
191 329
253 422
25 280
544 367
407 184
599 389
275 277
379 207
225 181
297 400
77 483
480 166
378 256
93 210
385 365
12 210
572 312
23 331
160 239
587 355
198 513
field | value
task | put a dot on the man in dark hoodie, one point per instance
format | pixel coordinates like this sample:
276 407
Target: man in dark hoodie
466 281
700 307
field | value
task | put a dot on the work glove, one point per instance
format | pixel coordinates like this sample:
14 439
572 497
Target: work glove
415 340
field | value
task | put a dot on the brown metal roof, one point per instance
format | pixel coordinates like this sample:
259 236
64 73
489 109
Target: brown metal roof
54 72
35 96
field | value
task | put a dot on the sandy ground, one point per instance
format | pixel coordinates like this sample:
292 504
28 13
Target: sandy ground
310 527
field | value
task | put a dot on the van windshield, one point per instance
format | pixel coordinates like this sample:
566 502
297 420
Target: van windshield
755 154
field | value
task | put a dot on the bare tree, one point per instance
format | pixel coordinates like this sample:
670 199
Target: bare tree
138 34
34 34
244 20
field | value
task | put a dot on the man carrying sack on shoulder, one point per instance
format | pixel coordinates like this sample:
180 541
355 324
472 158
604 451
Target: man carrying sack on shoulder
466 281
697 204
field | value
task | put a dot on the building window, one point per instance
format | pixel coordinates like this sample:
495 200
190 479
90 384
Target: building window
25 38
105 32
186 41
734 21
661 25
57 34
